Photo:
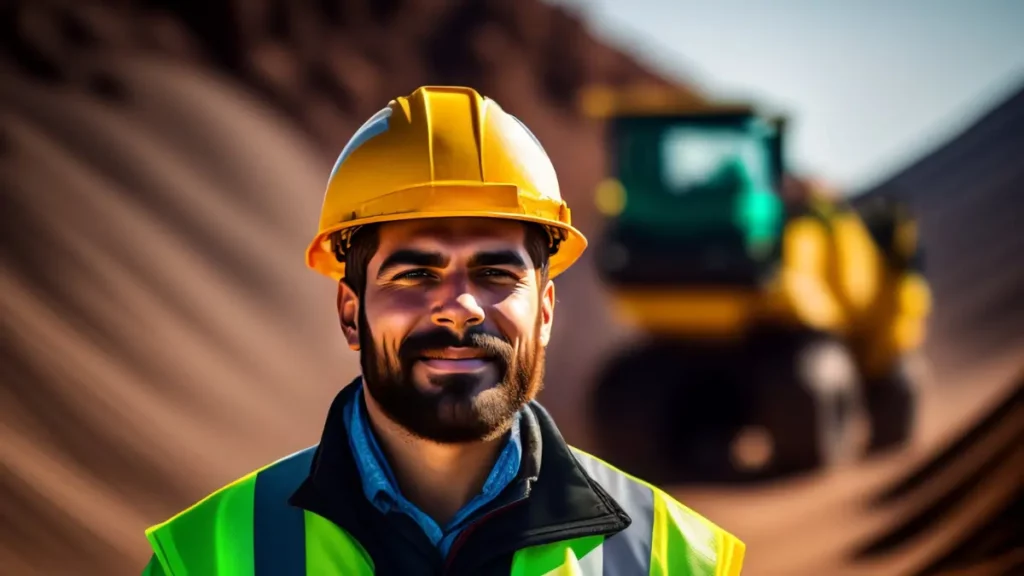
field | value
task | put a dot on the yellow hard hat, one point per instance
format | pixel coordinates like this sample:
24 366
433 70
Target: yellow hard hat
442 151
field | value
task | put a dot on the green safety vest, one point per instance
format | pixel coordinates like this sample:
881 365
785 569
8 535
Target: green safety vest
248 529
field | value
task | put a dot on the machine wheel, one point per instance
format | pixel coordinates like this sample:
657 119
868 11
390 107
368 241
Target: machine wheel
805 398
667 411
781 404
891 403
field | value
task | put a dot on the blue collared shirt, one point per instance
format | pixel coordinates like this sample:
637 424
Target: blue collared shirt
381 489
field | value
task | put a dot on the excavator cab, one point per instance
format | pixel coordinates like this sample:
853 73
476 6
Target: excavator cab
692 200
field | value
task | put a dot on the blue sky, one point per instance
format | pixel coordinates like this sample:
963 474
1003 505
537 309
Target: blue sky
870 85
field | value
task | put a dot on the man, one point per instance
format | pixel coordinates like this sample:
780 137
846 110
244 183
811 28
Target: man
443 225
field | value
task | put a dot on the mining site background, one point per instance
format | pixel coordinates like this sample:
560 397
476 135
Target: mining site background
162 170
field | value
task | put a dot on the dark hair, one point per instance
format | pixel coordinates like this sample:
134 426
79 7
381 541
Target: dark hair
364 242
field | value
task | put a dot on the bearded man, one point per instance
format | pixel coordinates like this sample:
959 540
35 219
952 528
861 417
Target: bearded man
443 226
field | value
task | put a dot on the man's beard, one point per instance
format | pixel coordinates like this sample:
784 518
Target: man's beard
461 410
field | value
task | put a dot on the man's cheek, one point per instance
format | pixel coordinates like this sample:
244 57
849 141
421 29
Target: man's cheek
517 315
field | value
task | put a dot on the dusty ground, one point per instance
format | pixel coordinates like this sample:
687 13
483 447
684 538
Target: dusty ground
813 525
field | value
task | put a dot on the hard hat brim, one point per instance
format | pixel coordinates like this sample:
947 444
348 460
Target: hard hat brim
320 257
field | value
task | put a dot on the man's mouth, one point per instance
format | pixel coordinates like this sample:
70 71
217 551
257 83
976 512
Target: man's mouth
462 359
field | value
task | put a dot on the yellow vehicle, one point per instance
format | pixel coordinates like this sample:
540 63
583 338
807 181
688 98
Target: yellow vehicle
768 323
896 325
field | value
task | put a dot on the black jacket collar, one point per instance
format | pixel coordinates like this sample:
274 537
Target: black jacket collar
551 499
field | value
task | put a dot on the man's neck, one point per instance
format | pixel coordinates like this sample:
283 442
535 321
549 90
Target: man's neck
438 478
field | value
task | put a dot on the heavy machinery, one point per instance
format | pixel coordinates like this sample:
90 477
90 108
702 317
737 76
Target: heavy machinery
770 321
898 325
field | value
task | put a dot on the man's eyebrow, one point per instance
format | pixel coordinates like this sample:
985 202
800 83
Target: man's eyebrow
410 257
497 258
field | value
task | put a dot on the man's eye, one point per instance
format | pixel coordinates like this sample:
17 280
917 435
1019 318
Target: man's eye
413 275
496 273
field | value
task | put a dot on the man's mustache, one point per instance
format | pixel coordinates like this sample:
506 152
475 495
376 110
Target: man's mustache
493 346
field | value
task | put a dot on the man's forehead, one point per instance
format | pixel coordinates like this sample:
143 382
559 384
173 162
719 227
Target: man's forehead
438 233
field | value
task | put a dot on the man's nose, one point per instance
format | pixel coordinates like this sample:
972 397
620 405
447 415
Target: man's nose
458 310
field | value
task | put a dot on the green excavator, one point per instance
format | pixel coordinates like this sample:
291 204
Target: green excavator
768 323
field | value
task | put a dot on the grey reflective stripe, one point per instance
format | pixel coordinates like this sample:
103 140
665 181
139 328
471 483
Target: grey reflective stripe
279 530
629 551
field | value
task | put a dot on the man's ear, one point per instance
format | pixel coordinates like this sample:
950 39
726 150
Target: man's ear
348 314
547 312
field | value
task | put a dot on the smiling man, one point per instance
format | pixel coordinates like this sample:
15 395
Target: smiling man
444 226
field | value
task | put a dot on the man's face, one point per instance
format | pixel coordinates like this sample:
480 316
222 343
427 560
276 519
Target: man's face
451 327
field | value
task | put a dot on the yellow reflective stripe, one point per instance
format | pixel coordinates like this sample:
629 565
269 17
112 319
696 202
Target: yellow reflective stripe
731 552
331 550
659 540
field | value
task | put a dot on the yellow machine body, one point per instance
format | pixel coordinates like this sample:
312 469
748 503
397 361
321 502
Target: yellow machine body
830 274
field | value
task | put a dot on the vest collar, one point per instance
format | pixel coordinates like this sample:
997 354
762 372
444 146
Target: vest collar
551 499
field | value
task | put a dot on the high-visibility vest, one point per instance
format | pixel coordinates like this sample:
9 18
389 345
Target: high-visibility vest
248 529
